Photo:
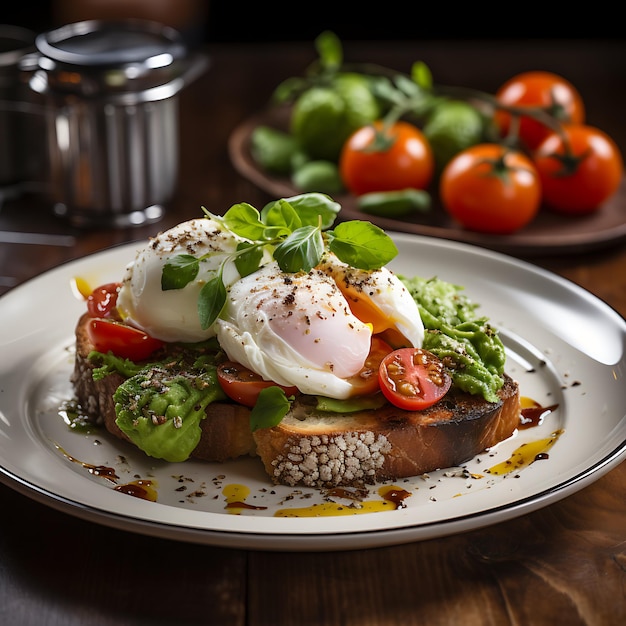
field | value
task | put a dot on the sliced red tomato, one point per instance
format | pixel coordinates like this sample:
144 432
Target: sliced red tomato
124 341
366 381
243 385
413 379
102 301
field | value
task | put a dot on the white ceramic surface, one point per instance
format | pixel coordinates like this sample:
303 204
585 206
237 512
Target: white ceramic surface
564 346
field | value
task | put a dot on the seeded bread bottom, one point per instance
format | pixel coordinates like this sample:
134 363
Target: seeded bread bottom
323 450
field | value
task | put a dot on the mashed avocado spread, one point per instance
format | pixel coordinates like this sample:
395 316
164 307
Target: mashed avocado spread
463 340
160 405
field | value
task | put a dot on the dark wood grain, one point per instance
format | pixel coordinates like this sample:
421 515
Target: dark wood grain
565 563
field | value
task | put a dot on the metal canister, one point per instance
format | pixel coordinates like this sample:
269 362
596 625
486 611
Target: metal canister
111 102
15 43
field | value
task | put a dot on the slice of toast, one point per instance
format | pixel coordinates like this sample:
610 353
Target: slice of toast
326 449
226 431
323 450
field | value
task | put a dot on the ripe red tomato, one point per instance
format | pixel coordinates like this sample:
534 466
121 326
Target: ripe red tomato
491 189
243 385
579 170
552 93
404 159
102 301
413 379
124 341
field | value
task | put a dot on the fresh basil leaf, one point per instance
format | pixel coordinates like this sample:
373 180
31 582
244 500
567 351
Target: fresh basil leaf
289 89
330 50
301 251
362 245
408 87
179 271
313 206
244 220
281 218
249 260
211 301
422 76
270 408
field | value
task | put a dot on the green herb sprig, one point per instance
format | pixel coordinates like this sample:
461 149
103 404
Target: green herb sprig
295 231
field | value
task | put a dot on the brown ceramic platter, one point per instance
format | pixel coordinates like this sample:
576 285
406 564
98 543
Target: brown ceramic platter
547 234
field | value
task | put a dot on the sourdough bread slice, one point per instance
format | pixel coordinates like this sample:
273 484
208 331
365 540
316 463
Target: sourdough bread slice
225 431
324 450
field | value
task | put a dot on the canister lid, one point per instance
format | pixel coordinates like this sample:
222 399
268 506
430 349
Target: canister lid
14 43
100 58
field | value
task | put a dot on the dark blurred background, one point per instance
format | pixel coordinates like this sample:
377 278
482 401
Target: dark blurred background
219 21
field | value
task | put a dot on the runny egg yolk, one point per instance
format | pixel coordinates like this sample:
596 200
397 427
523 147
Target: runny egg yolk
363 307
380 299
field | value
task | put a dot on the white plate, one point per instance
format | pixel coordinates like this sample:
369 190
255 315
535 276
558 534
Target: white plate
564 346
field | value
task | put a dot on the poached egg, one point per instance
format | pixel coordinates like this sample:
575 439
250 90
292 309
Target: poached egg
301 330
294 329
172 315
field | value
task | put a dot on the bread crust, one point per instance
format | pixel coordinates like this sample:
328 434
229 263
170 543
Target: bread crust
386 444
328 450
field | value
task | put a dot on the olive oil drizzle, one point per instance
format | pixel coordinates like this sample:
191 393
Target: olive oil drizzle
236 495
393 498
533 414
526 454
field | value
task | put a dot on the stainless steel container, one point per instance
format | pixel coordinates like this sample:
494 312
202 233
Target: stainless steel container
111 102
15 43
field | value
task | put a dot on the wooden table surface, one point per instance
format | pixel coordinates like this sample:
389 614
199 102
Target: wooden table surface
564 563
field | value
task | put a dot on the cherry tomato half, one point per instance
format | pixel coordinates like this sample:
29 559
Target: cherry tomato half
243 385
413 379
579 170
102 301
553 94
491 189
402 159
124 341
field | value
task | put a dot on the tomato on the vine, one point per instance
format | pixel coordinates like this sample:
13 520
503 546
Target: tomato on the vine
491 189
102 301
549 92
579 169
413 379
376 158
243 385
124 341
